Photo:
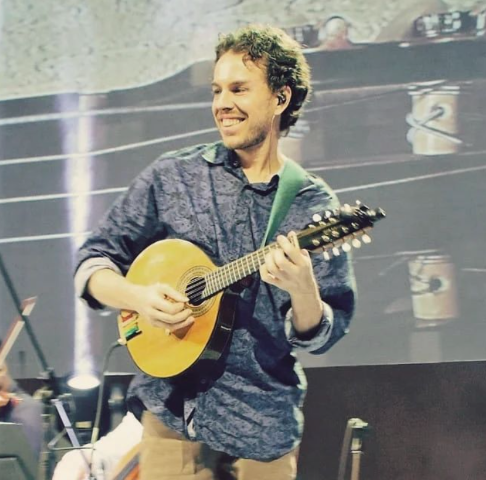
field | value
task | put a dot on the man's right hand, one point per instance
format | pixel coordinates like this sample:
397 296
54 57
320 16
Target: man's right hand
160 304
163 306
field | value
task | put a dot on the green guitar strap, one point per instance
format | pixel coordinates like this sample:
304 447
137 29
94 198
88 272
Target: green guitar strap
291 181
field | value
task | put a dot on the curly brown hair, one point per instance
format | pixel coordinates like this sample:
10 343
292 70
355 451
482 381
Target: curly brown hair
283 58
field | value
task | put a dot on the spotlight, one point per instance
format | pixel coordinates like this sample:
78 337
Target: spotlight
83 381
83 388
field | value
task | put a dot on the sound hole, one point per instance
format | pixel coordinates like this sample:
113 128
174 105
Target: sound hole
195 289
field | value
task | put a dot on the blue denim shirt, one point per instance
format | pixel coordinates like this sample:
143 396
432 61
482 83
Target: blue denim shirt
252 406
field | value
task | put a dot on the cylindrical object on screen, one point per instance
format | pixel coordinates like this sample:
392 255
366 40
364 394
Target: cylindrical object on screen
434 291
434 120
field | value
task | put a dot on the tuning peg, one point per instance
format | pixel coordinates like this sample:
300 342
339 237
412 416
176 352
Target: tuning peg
328 214
358 203
366 238
355 242
336 252
326 255
346 247
316 217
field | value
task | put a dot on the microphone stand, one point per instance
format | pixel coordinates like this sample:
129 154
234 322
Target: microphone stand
49 393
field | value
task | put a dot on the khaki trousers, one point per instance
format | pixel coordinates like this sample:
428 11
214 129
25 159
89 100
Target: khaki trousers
166 454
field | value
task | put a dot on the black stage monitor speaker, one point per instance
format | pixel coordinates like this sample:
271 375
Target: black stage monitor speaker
17 461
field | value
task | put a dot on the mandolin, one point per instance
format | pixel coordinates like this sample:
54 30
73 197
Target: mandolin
188 269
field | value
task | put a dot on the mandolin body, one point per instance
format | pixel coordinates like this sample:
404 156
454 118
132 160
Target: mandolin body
162 354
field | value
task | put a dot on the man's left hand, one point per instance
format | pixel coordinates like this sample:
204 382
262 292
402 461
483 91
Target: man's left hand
289 267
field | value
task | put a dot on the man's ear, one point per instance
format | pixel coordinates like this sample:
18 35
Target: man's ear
283 98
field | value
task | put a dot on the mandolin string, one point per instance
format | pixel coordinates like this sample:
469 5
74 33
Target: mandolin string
222 274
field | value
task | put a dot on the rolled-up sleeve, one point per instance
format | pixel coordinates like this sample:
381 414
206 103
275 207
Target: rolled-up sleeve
129 226
83 274
334 276
338 293
320 336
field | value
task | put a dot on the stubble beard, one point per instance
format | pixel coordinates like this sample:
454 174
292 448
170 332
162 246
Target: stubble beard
253 139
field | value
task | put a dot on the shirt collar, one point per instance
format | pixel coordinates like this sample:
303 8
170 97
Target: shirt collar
217 154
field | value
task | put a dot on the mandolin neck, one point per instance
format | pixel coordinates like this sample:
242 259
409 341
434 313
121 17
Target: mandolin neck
324 234
233 272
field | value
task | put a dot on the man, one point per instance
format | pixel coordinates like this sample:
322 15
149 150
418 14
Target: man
242 420
16 406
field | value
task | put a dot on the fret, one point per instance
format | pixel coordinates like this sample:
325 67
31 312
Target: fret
233 272
209 285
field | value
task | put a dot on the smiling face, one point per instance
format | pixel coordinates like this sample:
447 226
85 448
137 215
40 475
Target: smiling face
244 107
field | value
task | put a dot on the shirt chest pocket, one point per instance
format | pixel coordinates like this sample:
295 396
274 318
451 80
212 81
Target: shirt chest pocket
199 228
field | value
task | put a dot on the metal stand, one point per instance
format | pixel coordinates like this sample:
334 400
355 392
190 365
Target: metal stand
356 429
49 394
356 451
48 456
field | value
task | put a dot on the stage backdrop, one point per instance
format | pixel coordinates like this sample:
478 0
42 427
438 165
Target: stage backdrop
92 91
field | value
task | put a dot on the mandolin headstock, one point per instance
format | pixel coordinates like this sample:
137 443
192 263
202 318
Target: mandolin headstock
340 229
